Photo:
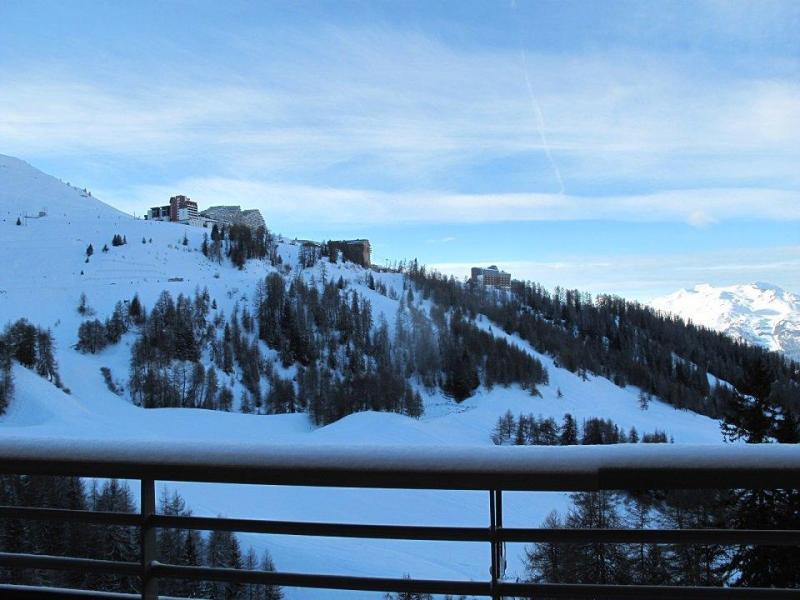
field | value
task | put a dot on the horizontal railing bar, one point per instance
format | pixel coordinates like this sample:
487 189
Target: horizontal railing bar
481 534
695 478
422 533
334 582
24 592
414 532
524 468
648 592
81 516
63 563
529 590
344 530
759 537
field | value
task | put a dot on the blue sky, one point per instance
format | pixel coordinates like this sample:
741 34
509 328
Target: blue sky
631 147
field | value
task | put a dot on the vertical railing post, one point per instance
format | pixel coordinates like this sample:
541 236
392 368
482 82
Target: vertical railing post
501 547
495 522
148 539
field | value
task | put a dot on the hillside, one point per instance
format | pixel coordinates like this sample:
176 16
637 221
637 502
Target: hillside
44 272
757 313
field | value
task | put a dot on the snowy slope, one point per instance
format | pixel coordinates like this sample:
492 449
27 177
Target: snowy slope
42 275
757 313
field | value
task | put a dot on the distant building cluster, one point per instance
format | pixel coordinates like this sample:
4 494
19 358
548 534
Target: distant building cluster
491 276
182 209
234 215
357 251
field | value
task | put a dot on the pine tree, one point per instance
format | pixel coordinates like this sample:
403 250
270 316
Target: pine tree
21 337
171 542
45 357
117 543
633 435
760 419
135 310
649 563
569 431
706 565
225 399
551 562
83 307
211 387
408 595
597 562
116 325
269 592
92 336
250 590
6 382
224 551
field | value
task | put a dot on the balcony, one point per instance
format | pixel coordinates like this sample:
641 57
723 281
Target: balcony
492 470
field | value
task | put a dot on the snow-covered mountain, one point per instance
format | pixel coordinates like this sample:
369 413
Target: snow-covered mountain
44 272
757 313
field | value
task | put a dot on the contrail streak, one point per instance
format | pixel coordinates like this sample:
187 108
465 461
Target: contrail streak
537 109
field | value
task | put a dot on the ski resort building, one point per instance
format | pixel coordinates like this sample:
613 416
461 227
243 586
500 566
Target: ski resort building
181 209
234 215
491 276
357 251
158 213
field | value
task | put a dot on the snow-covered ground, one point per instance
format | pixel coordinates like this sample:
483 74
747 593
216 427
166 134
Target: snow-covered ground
757 313
42 276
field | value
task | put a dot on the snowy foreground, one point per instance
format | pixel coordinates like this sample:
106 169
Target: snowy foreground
41 411
42 276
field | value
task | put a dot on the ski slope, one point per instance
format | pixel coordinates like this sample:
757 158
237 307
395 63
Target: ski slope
43 272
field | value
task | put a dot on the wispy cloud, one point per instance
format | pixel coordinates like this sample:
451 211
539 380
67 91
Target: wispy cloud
408 108
291 205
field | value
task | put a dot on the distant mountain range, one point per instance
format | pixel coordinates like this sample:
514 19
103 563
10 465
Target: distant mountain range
758 313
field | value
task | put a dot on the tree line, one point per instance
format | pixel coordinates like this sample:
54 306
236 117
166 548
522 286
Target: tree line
33 348
239 243
118 543
758 418
334 358
529 430
638 564
346 363
626 342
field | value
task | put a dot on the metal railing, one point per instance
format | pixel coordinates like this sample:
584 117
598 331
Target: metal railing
494 470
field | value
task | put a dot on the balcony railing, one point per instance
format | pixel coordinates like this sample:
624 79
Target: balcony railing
494 470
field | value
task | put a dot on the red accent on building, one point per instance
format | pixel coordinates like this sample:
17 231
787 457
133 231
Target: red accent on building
176 203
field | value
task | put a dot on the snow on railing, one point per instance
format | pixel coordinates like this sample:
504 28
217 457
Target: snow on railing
554 468
493 469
